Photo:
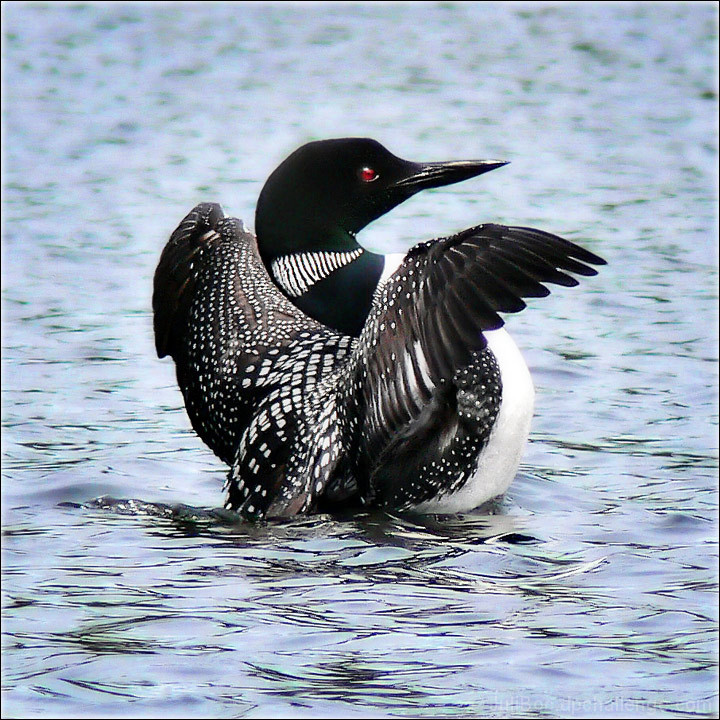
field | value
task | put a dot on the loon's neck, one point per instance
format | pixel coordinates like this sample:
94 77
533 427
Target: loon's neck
333 281
343 299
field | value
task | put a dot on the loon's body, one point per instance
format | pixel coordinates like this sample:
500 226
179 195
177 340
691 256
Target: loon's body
327 381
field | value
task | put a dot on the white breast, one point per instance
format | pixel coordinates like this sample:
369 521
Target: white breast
498 462
392 263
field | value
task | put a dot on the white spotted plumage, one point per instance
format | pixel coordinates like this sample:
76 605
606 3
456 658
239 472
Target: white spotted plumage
427 410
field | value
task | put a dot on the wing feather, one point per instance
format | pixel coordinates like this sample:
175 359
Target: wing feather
176 274
429 317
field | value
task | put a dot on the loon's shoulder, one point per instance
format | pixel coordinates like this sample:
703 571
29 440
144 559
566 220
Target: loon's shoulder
211 248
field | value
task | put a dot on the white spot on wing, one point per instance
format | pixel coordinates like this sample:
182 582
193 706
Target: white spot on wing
422 364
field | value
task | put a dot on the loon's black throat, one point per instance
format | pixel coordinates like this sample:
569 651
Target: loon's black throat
334 288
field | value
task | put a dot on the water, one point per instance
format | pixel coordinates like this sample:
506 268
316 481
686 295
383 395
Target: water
589 590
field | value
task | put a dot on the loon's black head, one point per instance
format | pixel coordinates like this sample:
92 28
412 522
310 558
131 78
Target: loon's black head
314 204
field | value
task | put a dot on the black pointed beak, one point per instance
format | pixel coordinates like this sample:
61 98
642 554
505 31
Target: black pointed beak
422 176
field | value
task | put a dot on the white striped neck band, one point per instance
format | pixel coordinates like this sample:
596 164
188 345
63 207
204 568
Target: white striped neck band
297 273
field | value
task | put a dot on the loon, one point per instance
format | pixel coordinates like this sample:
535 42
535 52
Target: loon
327 381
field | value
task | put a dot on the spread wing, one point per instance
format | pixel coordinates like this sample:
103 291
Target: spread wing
247 361
428 320
220 317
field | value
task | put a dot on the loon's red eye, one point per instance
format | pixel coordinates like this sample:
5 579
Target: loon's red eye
367 174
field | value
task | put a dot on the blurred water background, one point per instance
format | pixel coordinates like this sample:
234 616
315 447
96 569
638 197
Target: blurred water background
589 590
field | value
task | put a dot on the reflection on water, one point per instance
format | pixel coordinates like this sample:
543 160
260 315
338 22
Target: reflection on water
588 591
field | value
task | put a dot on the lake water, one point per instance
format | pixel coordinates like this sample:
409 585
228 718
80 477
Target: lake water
589 590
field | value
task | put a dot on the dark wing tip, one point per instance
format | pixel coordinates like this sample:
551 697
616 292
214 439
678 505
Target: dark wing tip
486 270
174 276
570 248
